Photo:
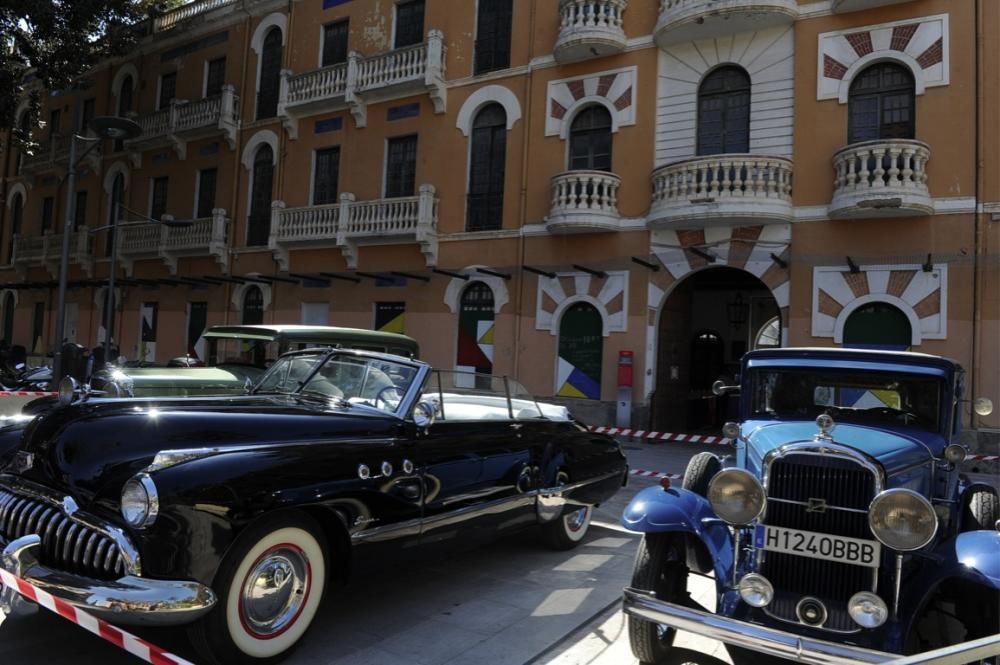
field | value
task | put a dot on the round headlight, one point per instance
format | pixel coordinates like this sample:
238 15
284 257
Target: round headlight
67 390
867 609
140 502
955 453
736 496
902 520
756 590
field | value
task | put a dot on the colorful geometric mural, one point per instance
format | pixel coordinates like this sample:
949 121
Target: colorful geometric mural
581 345
390 317
476 328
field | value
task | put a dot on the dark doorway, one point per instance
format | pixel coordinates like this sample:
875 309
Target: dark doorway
706 324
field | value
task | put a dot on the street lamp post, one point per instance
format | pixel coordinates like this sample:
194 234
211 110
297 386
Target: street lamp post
106 127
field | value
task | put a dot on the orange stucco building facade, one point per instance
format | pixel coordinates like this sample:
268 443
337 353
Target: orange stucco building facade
544 189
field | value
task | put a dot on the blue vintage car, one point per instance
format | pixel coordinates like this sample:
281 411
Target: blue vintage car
844 529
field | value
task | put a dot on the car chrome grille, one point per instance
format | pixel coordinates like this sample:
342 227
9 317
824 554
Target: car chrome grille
847 488
66 544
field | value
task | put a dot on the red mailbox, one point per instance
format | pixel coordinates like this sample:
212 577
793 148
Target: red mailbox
625 359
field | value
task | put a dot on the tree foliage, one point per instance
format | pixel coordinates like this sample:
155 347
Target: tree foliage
50 44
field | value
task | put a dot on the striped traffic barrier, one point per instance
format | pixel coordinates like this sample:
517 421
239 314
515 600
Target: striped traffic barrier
26 393
664 436
656 474
120 638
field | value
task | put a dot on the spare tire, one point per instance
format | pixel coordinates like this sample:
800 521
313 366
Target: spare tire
980 509
700 471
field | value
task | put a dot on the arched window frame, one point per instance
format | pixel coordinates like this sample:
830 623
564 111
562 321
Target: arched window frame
263 157
736 87
483 295
488 143
272 46
903 90
595 162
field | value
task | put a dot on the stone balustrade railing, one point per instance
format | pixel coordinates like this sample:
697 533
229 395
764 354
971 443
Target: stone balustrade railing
218 112
205 236
884 177
584 200
141 239
421 66
590 28
47 249
350 223
190 10
586 14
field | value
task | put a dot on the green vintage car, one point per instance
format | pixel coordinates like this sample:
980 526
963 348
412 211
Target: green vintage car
236 356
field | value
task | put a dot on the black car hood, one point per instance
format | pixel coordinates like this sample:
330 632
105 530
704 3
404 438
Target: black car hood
91 448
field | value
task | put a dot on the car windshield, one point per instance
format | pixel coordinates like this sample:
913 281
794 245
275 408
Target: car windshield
348 379
867 398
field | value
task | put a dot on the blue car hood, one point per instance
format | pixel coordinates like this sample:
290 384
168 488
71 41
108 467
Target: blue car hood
895 450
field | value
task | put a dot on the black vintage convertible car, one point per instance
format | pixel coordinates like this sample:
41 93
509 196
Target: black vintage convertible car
236 514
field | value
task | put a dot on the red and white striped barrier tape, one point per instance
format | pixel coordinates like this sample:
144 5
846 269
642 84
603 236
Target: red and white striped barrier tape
655 474
983 458
664 436
26 393
120 638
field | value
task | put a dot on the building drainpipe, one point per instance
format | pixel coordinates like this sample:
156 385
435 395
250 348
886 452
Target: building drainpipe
523 216
979 215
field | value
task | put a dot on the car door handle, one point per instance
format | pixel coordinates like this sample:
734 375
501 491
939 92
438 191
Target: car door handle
516 425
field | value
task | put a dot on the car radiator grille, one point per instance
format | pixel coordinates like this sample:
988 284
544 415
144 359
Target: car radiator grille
66 545
842 484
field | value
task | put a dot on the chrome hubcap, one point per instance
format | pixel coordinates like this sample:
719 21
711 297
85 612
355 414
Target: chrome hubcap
274 591
576 519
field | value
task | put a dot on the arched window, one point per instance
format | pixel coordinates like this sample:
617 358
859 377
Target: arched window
475 328
270 75
124 104
8 318
16 222
114 214
590 140
486 169
581 352
253 306
262 179
878 325
769 334
724 112
881 104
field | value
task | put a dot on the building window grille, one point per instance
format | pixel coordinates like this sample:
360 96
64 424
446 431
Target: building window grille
590 140
215 77
326 175
493 28
259 221
486 169
401 167
158 201
168 89
270 75
724 112
881 104
409 23
206 192
335 43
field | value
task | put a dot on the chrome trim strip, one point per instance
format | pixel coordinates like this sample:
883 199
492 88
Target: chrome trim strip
806 504
130 554
766 640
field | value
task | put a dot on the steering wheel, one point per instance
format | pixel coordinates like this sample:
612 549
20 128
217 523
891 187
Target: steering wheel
381 396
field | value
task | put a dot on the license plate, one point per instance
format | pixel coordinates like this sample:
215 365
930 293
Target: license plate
818 545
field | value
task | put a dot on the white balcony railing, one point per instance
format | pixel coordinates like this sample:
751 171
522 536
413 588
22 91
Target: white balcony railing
590 28
46 251
351 223
204 237
184 120
190 10
361 80
691 20
844 6
881 179
726 189
54 154
584 201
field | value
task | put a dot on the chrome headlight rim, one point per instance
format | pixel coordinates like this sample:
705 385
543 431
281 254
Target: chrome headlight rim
921 499
152 503
736 472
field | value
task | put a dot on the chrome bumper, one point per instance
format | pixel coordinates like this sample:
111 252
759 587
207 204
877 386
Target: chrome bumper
128 600
761 639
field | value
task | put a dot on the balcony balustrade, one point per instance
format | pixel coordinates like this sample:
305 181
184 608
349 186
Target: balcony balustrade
881 179
46 251
691 20
54 155
204 237
173 18
722 190
361 81
185 121
590 29
584 202
352 223
844 6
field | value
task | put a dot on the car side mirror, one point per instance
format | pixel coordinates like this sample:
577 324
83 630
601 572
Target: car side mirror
423 415
719 388
983 406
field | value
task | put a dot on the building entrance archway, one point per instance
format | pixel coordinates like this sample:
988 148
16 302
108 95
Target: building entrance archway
706 324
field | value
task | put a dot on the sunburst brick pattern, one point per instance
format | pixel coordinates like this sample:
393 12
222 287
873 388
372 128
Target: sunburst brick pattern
609 295
614 89
920 43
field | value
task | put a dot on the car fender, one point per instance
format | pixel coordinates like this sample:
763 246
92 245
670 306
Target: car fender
677 510
977 552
